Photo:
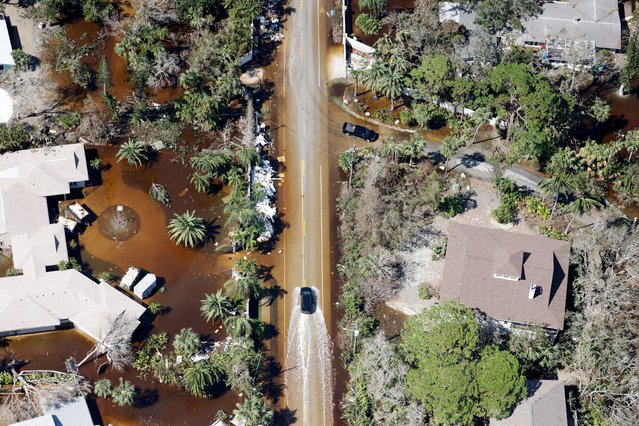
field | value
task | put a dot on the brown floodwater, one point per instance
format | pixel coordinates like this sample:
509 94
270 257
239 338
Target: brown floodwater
185 275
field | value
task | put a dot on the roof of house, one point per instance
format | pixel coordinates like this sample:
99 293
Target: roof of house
73 413
40 299
545 405
473 257
596 20
6 58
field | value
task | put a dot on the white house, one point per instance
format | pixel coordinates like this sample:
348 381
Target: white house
73 413
6 49
43 298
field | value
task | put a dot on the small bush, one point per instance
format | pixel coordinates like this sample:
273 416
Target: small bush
450 206
23 60
368 24
383 114
439 250
70 120
536 207
552 232
424 292
406 117
505 213
6 378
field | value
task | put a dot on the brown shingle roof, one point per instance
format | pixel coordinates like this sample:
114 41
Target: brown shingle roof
474 254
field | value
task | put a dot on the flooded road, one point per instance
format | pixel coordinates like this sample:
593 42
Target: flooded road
303 141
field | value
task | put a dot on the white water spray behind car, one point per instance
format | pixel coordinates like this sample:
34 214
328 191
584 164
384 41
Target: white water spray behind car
308 364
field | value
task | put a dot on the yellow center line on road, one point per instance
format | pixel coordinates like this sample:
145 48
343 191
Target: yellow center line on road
321 231
303 227
318 47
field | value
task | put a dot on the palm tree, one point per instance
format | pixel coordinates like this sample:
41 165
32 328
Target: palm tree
245 282
134 152
347 161
124 394
199 376
187 229
356 75
557 185
103 388
254 411
247 157
238 326
372 76
391 84
201 182
394 150
631 143
581 205
481 117
375 7
216 306
187 343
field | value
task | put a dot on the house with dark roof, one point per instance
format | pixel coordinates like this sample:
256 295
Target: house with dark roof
545 405
512 278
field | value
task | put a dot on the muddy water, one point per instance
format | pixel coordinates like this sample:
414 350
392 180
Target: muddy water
186 275
393 6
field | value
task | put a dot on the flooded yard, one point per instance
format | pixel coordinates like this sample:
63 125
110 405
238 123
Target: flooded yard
185 275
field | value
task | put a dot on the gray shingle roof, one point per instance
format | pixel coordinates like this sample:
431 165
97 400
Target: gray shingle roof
544 406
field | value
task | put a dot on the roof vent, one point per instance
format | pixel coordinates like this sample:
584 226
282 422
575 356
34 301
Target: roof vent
532 291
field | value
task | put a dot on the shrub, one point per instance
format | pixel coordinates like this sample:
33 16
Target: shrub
6 378
406 117
424 292
23 60
552 232
536 207
505 213
439 249
450 206
368 24
70 120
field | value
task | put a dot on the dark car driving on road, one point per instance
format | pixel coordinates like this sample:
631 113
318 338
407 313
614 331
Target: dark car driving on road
306 300
360 131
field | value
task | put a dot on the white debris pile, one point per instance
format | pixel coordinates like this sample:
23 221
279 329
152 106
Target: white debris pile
263 176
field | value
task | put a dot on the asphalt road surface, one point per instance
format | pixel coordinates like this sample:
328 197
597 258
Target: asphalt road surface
303 140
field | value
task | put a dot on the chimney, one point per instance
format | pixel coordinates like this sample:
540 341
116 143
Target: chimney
532 291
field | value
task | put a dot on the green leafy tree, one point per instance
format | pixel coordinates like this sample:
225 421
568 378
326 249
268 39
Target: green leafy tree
450 146
368 24
216 306
124 394
452 376
498 15
187 343
103 388
431 76
133 151
196 12
254 411
631 69
97 10
96 163
187 229
500 382
155 308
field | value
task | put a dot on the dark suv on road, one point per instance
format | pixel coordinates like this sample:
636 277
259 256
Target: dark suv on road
307 300
359 131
